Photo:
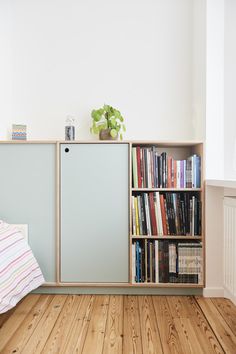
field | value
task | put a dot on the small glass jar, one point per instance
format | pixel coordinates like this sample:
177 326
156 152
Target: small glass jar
70 128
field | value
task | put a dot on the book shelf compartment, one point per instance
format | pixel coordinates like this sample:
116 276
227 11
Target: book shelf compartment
179 152
167 285
166 261
166 213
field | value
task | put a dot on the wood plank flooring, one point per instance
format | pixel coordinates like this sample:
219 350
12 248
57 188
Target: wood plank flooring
96 324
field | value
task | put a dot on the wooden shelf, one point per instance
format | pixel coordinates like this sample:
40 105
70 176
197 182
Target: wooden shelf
166 189
169 237
123 285
167 143
167 285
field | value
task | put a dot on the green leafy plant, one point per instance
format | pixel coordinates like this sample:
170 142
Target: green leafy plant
110 118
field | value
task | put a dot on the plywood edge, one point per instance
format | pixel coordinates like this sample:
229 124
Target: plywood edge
124 285
28 141
58 213
164 143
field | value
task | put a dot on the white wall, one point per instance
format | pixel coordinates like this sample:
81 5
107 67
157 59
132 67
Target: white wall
220 131
230 90
220 92
214 151
199 69
215 89
5 67
71 56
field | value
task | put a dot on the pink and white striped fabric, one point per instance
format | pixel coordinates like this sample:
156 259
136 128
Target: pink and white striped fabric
19 270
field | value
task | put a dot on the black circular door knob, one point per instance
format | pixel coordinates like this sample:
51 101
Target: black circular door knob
67 149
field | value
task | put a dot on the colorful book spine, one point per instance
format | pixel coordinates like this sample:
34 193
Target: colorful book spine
133 216
138 157
152 214
151 170
134 165
164 261
136 216
167 213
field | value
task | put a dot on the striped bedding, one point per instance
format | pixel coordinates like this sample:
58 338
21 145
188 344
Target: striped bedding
19 270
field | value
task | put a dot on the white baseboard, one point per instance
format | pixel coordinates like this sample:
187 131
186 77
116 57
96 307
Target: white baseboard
229 296
213 292
219 292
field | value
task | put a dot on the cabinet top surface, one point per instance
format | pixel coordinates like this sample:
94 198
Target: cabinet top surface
134 142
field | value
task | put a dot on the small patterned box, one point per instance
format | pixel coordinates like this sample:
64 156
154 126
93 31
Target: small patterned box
19 132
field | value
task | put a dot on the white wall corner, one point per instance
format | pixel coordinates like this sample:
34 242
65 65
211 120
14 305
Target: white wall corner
213 292
229 296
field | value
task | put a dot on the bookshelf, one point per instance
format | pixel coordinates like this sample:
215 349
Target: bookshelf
150 165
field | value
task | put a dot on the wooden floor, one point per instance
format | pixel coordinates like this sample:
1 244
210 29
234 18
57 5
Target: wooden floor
119 324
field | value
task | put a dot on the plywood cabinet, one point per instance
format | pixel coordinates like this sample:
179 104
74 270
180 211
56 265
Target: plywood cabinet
77 199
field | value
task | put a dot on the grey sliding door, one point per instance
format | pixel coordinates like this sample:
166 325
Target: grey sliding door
27 196
94 212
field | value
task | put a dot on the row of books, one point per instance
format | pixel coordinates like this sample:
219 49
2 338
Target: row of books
166 213
163 261
153 170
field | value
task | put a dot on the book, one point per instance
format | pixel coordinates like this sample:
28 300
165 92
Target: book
152 214
158 212
151 261
146 259
136 216
133 215
147 213
156 262
134 166
133 263
138 157
166 261
190 262
163 214
161 261
172 263
140 223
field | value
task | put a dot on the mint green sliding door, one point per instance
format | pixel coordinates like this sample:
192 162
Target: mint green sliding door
94 212
27 196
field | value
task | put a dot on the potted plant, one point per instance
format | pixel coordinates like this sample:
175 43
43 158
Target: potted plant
108 123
